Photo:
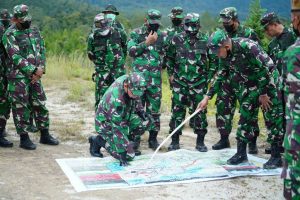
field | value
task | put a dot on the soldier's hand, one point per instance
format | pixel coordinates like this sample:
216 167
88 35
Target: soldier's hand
151 39
265 102
123 159
203 104
39 72
171 78
35 78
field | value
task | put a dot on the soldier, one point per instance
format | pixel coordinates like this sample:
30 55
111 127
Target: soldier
26 62
147 47
107 48
111 13
188 63
120 117
225 102
176 17
282 39
291 169
253 76
4 103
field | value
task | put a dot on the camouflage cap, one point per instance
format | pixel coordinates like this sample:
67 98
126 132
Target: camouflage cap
21 12
111 9
153 16
176 12
99 17
268 18
216 40
5 15
192 22
228 14
137 83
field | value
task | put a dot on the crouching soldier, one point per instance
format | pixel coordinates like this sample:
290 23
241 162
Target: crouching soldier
121 119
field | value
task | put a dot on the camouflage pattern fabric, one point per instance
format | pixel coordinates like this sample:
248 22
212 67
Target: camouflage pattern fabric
117 119
148 61
26 52
253 73
291 171
226 101
4 103
109 53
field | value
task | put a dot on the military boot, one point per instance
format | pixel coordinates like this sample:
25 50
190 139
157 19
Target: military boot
46 138
136 146
222 144
175 142
153 144
252 148
3 141
96 142
200 146
241 155
275 159
26 143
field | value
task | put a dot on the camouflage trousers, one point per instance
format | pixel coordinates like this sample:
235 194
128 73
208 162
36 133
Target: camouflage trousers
226 104
188 97
274 117
26 98
4 103
118 137
151 99
291 175
103 81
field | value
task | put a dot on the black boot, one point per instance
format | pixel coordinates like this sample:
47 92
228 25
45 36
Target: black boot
3 141
241 155
200 146
252 148
96 142
269 149
275 159
222 144
26 143
175 142
153 144
46 138
123 159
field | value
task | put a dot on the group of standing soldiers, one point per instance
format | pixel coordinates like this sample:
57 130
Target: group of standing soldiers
231 59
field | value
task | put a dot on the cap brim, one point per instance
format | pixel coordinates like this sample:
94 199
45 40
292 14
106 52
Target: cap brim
171 15
225 20
154 21
110 11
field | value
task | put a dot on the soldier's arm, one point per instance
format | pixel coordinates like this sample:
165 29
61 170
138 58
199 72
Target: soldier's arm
135 49
212 66
43 54
251 34
90 47
170 57
119 123
124 42
220 76
13 50
267 72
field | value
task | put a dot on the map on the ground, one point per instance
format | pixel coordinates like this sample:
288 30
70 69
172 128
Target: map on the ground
181 166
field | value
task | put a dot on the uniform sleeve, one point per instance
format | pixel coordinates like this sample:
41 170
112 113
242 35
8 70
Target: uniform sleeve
43 54
170 56
90 46
220 77
268 73
13 50
118 121
135 49
124 42
213 66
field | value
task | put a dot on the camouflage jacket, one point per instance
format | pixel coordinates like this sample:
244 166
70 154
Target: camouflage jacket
26 51
292 89
3 54
188 60
109 51
278 46
244 32
147 59
249 68
116 106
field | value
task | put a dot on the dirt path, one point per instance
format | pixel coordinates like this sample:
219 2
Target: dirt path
36 175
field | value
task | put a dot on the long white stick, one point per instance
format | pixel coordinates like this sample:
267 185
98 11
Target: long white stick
165 140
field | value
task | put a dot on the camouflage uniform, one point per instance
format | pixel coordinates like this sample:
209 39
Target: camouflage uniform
120 117
4 103
253 73
188 62
291 170
176 16
107 48
148 60
276 49
26 52
226 101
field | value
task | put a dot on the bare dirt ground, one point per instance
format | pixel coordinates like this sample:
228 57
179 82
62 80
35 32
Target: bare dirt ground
36 175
